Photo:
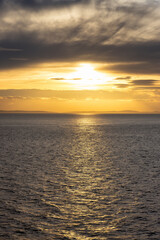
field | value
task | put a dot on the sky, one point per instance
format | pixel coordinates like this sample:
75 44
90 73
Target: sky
80 56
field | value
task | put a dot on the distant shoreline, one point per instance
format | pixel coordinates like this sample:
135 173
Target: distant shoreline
78 113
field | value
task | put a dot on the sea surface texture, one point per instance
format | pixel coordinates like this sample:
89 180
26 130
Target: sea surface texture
79 177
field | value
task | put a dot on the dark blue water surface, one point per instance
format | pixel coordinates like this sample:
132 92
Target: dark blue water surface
76 177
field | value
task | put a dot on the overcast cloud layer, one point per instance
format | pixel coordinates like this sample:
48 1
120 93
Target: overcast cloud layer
123 33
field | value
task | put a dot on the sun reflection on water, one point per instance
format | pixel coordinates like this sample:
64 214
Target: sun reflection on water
89 207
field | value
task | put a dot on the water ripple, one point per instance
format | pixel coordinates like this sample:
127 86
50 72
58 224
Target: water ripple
84 180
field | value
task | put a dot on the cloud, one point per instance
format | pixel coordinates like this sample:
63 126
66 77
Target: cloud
39 4
65 79
144 82
57 79
121 85
148 63
18 59
148 88
138 83
9 49
123 78
14 98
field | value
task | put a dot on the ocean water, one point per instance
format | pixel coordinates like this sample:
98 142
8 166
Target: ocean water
79 177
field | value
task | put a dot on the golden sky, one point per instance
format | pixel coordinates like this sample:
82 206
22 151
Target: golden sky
95 56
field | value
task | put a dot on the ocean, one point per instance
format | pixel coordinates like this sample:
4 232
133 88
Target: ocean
79 177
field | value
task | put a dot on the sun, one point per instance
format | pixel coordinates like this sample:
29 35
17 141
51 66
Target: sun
86 71
86 77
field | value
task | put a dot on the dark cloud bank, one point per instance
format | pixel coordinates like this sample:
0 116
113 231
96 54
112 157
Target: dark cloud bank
36 4
120 37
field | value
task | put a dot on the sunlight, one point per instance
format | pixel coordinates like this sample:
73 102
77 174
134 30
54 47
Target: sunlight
85 77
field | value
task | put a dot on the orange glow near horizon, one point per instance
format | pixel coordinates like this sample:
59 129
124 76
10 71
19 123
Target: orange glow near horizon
74 87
